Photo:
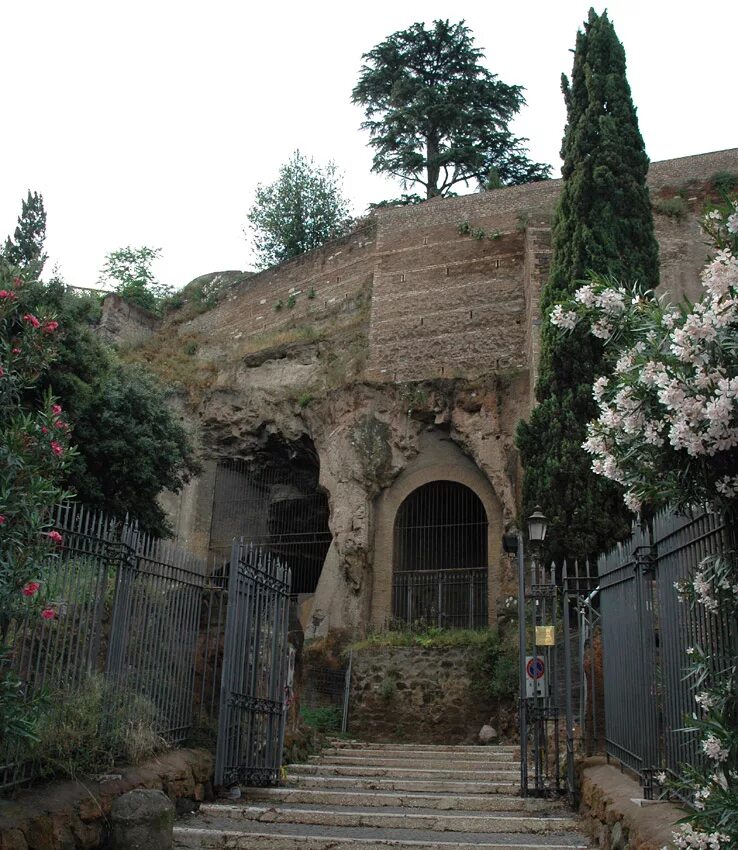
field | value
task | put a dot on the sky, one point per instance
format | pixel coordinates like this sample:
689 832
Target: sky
151 123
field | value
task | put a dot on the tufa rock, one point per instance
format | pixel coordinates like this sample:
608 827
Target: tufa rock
142 820
487 734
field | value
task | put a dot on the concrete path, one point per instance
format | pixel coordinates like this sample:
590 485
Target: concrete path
357 796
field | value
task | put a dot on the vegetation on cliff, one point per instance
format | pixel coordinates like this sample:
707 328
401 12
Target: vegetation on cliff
603 225
437 117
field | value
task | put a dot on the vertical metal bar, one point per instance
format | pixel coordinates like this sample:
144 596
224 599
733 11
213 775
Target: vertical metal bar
347 693
522 718
570 785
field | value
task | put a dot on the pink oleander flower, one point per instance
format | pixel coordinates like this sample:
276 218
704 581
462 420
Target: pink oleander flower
30 588
32 320
56 409
57 448
6 295
50 327
54 536
48 614
2 519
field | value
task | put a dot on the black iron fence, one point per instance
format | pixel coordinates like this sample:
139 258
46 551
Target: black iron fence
118 604
453 599
646 631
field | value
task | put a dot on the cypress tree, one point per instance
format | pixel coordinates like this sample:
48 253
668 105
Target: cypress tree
26 249
603 225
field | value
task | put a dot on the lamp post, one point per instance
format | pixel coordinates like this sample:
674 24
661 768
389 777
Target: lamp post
513 544
537 525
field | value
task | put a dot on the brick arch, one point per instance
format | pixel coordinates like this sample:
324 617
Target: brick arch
463 472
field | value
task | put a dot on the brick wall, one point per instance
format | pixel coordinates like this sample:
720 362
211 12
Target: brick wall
442 303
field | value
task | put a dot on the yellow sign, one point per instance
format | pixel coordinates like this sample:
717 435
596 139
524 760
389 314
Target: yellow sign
545 636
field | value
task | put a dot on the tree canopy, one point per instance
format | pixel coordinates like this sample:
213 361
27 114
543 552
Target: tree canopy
130 445
129 269
436 116
603 225
301 210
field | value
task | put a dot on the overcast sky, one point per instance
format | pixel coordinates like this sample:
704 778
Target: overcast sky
150 123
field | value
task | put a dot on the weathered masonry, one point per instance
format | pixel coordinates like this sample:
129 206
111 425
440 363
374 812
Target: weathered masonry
366 396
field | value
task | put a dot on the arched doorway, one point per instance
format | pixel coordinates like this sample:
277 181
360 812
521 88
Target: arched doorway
440 557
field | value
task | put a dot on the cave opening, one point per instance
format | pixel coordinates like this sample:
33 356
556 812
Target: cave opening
273 499
440 557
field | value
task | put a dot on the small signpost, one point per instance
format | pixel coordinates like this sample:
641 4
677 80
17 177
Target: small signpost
535 676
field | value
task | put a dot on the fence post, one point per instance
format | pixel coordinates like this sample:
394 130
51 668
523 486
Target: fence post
571 791
645 565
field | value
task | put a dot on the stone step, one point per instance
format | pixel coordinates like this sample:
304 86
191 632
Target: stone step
394 751
440 772
259 836
345 817
436 748
410 800
439 785
416 762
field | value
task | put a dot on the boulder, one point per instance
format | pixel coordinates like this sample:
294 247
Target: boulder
487 734
142 820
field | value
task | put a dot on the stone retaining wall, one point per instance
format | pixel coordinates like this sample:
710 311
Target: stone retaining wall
74 815
615 816
420 695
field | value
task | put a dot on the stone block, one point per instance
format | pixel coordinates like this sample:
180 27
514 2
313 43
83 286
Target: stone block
142 820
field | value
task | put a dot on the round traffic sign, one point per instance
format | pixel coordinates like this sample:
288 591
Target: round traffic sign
535 668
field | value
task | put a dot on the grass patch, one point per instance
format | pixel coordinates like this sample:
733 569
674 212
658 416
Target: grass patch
91 729
173 359
430 637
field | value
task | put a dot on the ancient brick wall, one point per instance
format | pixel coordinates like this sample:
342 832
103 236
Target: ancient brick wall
445 303
322 283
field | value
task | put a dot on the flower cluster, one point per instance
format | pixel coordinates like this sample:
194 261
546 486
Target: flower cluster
668 411
667 430
690 839
34 450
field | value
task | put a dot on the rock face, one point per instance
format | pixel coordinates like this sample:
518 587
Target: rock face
401 354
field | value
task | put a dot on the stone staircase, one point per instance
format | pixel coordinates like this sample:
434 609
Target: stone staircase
359 796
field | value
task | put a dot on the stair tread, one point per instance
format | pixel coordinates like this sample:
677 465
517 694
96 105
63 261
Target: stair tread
385 810
567 839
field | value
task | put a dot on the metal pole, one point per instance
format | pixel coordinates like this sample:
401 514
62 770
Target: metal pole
567 677
347 693
521 639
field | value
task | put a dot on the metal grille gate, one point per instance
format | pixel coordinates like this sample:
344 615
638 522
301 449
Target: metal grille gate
255 657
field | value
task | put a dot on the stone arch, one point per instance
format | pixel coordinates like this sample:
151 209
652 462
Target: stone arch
439 460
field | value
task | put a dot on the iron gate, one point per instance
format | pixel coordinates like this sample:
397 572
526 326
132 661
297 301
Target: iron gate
253 700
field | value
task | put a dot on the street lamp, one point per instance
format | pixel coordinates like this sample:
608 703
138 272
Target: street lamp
537 525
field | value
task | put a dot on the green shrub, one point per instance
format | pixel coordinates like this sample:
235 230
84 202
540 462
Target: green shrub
494 669
325 719
676 207
725 181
